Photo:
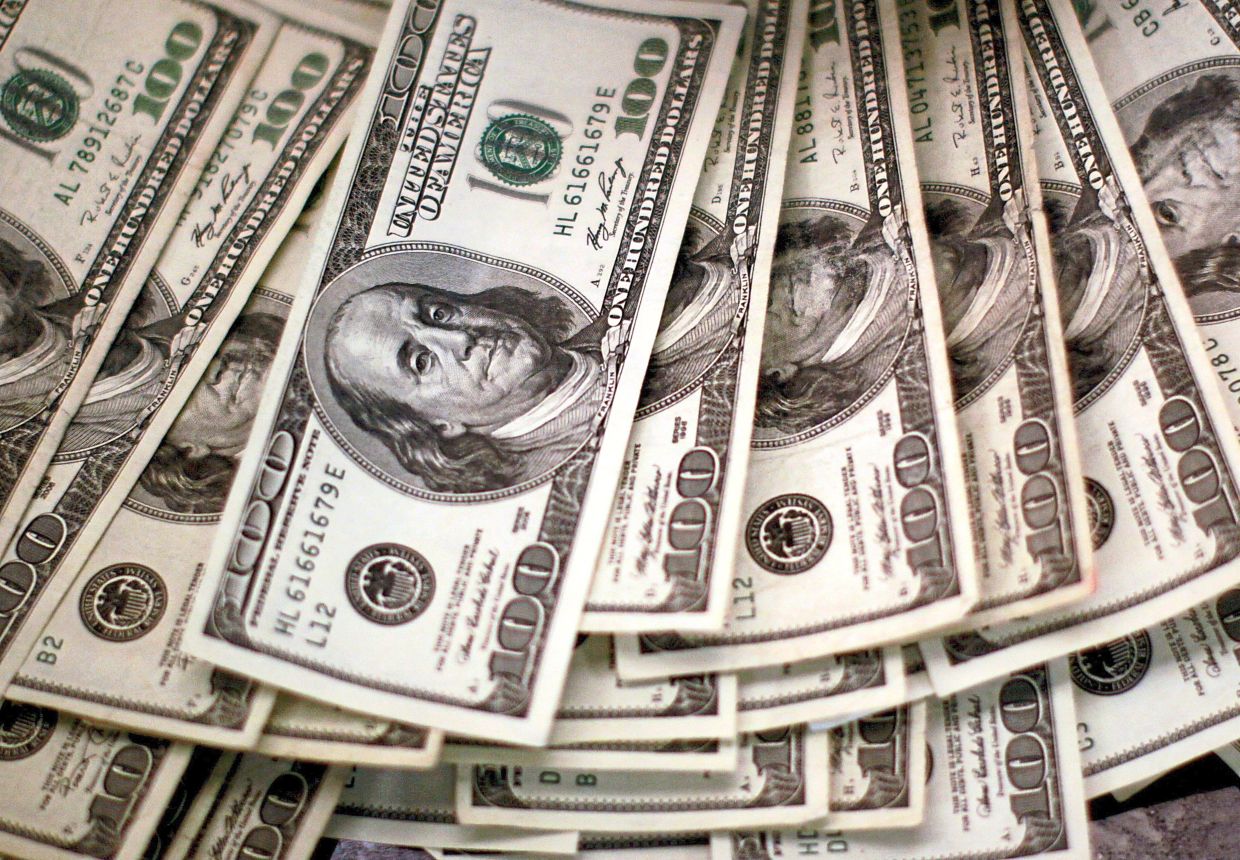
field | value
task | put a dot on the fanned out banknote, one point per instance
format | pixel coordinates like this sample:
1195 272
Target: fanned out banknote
879 770
402 808
467 354
856 529
973 135
1005 783
1150 700
1174 83
313 731
76 789
105 131
139 487
595 706
667 557
1158 450
822 689
780 776
666 757
252 806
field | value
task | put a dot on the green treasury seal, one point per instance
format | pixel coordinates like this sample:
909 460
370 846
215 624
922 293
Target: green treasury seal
520 149
39 105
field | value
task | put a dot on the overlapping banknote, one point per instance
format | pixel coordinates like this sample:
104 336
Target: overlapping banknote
671 429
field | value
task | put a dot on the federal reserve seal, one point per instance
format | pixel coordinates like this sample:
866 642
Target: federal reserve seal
1114 667
24 729
123 602
789 534
39 105
1101 512
389 583
520 149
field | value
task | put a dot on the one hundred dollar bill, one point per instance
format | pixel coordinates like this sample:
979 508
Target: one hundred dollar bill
878 770
132 597
300 728
252 806
464 358
711 754
667 556
197 775
1005 783
780 776
1154 699
107 118
282 136
822 689
1158 450
76 789
596 705
916 678
635 846
401 808
855 526
1173 79
973 135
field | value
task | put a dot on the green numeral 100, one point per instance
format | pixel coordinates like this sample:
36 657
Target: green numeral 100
287 103
164 77
639 94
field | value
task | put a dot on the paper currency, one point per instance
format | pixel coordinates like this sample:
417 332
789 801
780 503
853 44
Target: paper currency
780 776
282 136
973 137
878 771
667 557
165 527
104 130
596 706
254 806
1004 782
299 728
1153 699
1173 80
916 679
855 519
197 774
494 413
821 689
402 808
78 789
662 756
1157 447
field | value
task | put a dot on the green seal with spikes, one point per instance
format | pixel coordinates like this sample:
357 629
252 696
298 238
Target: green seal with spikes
520 149
39 105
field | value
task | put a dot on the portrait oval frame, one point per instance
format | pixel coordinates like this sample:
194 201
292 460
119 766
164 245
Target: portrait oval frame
64 285
469 273
855 217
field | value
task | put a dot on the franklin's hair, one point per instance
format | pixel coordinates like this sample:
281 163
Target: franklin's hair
468 463
815 393
188 484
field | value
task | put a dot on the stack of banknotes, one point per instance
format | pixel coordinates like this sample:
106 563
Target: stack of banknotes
613 428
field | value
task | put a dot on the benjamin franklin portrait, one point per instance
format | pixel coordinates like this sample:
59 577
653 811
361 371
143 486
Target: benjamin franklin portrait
35 329
982 274
836 317
468 391
1185 140
699 315
192 469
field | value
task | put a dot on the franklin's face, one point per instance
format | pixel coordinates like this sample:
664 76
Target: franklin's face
217 417
1193 183
459 365
809 305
